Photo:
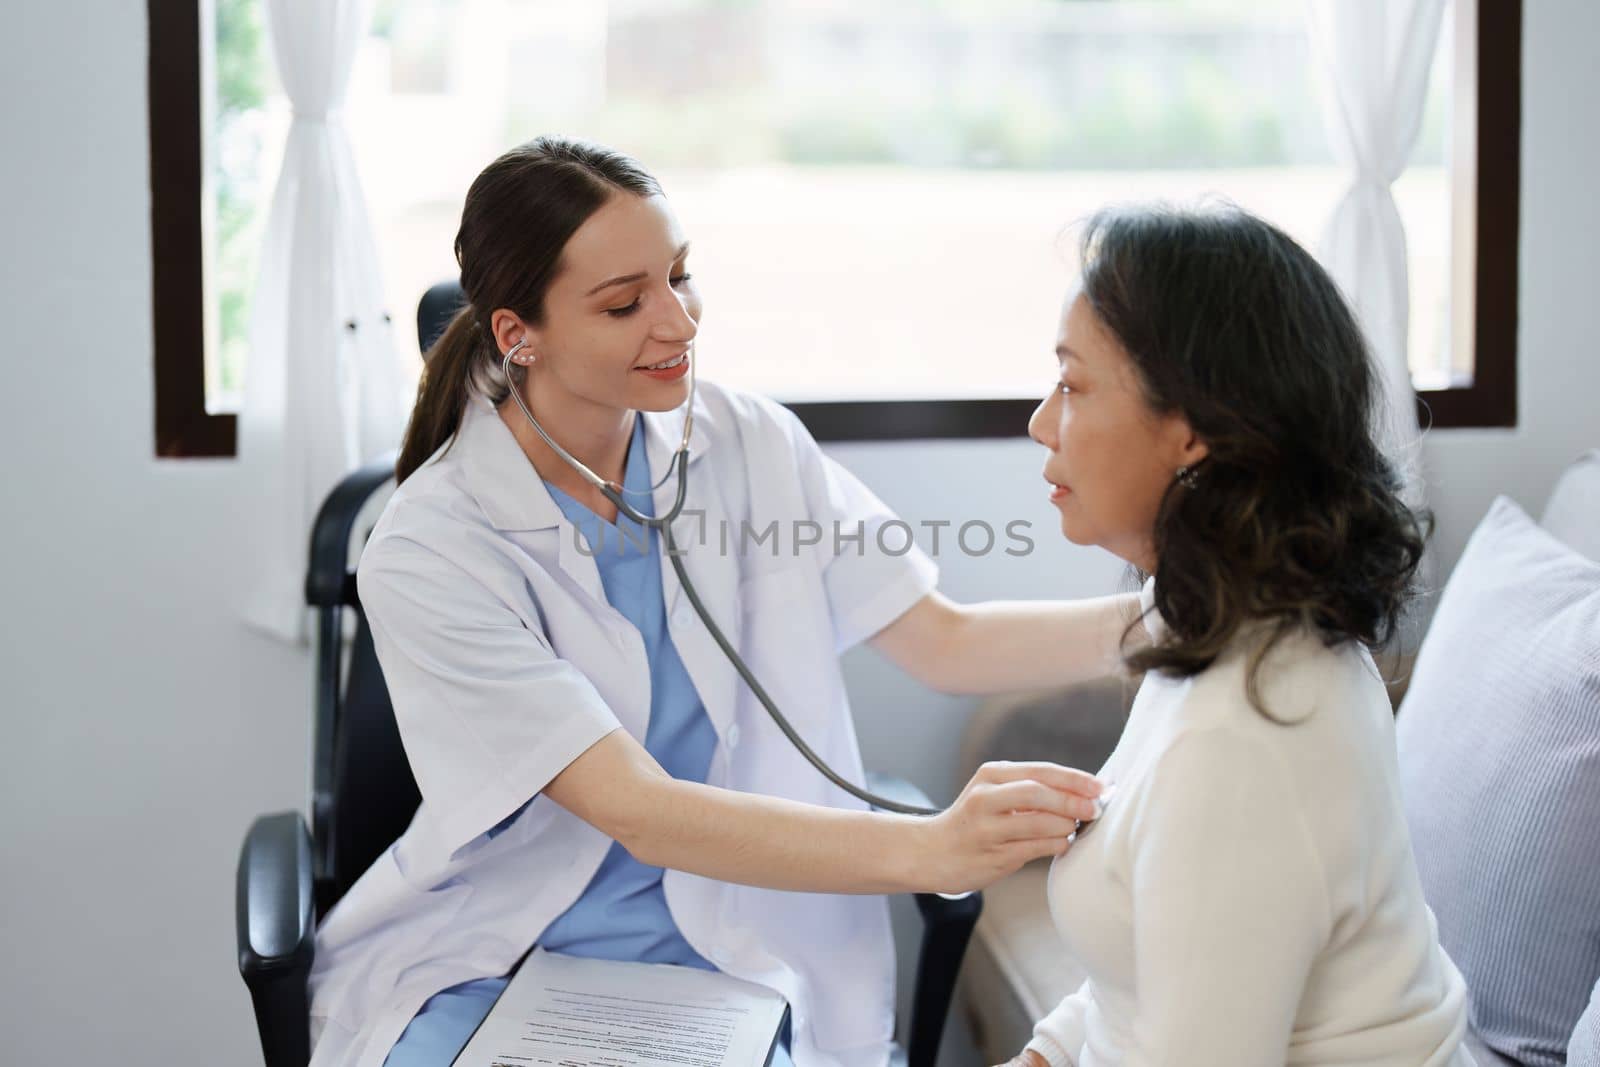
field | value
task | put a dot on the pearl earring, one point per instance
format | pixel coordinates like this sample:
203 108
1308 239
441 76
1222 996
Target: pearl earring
525 361
1188 477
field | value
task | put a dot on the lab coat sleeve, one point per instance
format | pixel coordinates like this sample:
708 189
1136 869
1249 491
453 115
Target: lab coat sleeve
1058 1036
872 569
487 712
1230 905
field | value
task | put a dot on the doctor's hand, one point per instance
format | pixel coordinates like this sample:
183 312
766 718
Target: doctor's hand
1008 814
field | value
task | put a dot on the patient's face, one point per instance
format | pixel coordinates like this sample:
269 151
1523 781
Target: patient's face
1111 456
596 337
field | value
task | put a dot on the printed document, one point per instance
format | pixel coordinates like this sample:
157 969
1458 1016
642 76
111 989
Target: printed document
560 1011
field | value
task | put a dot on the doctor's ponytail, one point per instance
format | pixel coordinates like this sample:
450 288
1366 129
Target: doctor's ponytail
517 218
442 390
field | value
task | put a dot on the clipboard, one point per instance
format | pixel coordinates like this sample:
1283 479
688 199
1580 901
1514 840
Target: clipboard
563 1011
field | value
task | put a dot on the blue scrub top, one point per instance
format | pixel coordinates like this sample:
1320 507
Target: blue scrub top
622 913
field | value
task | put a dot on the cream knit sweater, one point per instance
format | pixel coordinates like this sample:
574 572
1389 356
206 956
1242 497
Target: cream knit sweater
1249 898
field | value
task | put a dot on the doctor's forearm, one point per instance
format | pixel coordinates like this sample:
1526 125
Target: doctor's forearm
1008 814
617 787
1004 645
1029 644
775 843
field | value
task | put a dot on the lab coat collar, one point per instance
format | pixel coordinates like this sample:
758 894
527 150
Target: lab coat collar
509 489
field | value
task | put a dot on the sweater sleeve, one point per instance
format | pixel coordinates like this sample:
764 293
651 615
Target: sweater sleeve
1230 904
1058 1036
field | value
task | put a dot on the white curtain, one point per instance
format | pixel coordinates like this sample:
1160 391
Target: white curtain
1373 58
322 385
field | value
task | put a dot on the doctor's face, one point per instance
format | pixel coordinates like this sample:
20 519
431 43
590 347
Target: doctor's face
1111 455
621 316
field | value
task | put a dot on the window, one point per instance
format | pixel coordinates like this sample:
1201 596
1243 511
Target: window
877 192
217 123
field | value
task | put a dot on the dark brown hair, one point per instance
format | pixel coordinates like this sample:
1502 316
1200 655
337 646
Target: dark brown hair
1295 516
517 218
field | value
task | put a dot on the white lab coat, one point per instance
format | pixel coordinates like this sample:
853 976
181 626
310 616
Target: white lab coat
505 662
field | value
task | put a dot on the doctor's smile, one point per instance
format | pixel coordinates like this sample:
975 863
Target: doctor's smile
669 370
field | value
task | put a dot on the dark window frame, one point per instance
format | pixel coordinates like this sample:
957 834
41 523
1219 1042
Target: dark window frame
183 426
1486 179
1484 261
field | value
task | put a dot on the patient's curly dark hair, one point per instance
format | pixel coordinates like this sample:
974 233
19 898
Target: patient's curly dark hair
1295 516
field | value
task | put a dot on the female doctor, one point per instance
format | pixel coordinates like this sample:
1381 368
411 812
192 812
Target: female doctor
595 777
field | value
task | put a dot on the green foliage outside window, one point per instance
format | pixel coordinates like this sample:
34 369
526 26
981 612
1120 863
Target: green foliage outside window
241 86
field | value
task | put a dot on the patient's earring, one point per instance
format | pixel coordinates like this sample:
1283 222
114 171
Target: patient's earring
1189 477
521 360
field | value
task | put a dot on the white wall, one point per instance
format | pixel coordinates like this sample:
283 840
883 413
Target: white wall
142 725
145 727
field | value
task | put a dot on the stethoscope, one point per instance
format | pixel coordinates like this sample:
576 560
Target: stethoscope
614 493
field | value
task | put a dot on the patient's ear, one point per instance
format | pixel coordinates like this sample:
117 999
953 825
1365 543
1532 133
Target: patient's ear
1185 446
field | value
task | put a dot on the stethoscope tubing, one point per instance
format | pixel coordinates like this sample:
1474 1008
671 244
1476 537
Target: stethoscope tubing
613 493
767 702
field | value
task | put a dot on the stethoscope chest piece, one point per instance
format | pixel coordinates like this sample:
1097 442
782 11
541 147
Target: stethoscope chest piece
1101 804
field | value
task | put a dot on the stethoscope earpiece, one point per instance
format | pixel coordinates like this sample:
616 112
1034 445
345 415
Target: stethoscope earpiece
525 361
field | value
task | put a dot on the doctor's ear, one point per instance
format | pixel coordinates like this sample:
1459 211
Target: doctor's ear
513 336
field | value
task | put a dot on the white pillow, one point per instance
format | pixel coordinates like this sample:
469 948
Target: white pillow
1572 513
1499 742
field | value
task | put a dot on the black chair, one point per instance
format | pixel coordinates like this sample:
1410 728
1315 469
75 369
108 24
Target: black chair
363 797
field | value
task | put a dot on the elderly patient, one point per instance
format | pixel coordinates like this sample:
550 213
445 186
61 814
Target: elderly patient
1249 897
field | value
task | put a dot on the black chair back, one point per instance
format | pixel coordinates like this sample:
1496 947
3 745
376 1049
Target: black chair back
364 794
435 310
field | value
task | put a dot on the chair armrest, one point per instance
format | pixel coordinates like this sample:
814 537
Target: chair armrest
947 923
276 927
